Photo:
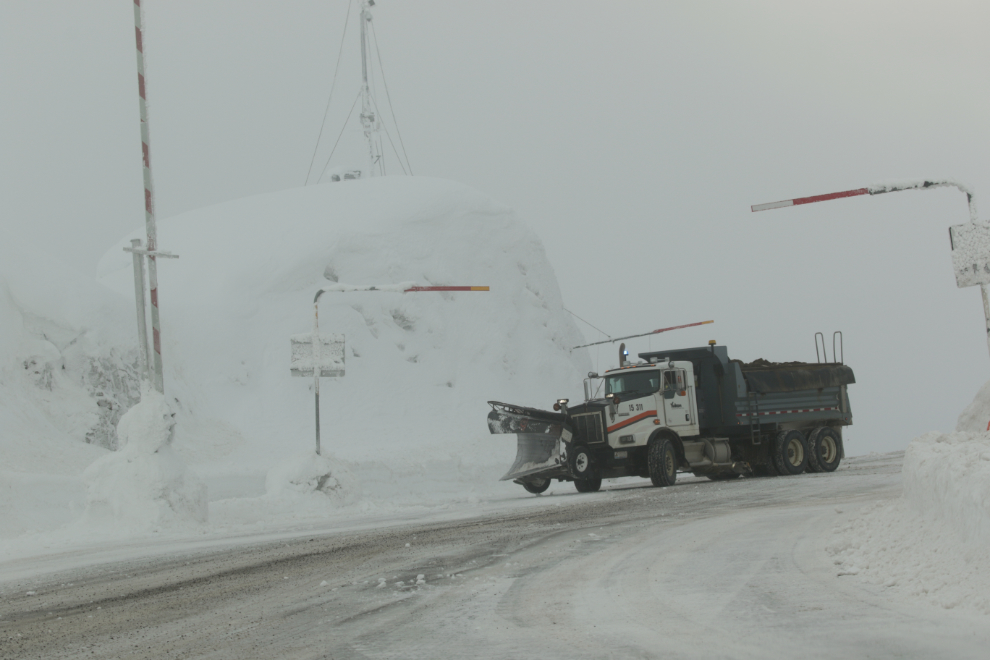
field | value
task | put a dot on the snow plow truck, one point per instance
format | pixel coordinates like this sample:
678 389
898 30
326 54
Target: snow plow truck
686 410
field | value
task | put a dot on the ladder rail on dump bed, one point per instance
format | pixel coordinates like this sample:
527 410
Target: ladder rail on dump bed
754 417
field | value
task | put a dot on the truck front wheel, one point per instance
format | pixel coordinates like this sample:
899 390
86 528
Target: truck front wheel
592 485
662 461
790 454
579 462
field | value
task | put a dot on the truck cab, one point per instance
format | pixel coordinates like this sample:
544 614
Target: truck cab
643 397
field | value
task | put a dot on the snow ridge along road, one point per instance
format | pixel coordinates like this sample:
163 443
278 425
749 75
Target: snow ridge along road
731 569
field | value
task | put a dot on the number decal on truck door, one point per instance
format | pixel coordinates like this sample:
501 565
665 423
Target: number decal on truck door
633 407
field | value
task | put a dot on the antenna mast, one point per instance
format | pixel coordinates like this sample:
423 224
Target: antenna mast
369 119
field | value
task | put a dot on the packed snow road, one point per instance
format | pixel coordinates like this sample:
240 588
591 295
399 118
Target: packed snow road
735 569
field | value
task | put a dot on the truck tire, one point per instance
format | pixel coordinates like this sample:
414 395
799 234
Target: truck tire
790 455
536 486
579 462
592 485
827 449
813 465
662 461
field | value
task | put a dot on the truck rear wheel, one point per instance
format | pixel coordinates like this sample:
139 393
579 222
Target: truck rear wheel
813 465
536 486
825 448
790 455
662 461
592 485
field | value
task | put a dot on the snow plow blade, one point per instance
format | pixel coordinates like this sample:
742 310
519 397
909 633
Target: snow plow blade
538 440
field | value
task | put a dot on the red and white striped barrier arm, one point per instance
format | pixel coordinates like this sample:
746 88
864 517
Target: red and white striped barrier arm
808 200
401 287
415 289
652 332
877 190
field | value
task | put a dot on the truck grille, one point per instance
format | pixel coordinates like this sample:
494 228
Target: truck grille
589 427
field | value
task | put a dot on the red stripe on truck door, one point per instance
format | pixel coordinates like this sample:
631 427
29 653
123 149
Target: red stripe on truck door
632 420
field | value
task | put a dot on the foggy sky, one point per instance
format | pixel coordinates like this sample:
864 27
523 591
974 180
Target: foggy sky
633 137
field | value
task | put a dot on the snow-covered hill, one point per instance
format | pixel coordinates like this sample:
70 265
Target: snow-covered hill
404 426
419 366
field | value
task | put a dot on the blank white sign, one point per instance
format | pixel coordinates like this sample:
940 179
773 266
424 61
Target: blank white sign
331 357
971 253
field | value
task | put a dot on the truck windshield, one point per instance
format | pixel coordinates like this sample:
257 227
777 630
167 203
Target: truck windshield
631 382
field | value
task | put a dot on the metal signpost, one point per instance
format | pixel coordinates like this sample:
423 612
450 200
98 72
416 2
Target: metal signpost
970 243
316 356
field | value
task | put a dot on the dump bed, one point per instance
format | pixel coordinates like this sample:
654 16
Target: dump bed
732 394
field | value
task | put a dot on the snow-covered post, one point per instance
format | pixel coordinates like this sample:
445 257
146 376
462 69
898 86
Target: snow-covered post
320 361
369 120
973 240
141 314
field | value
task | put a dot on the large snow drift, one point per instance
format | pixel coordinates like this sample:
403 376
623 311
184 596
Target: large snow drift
410 411
143 486
404 427
934 542
975 418
66 377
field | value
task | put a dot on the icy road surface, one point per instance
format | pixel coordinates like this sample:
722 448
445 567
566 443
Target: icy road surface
700 570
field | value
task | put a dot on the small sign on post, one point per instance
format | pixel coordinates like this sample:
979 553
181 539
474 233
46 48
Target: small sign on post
330 356
970 253
315 356
971 260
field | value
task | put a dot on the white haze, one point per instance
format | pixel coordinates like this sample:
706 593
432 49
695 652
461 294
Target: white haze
633 138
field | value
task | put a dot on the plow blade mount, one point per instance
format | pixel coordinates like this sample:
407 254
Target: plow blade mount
538 440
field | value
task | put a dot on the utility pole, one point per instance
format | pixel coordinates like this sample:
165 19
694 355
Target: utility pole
369 120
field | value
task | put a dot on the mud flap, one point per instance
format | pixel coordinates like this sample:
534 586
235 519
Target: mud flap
538 440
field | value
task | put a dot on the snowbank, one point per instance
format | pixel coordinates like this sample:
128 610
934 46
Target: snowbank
144 486
947 478
66 376
934 542
306 474
975 418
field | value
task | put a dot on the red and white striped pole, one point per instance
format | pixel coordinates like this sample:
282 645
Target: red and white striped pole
877 190
149 204
652 332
